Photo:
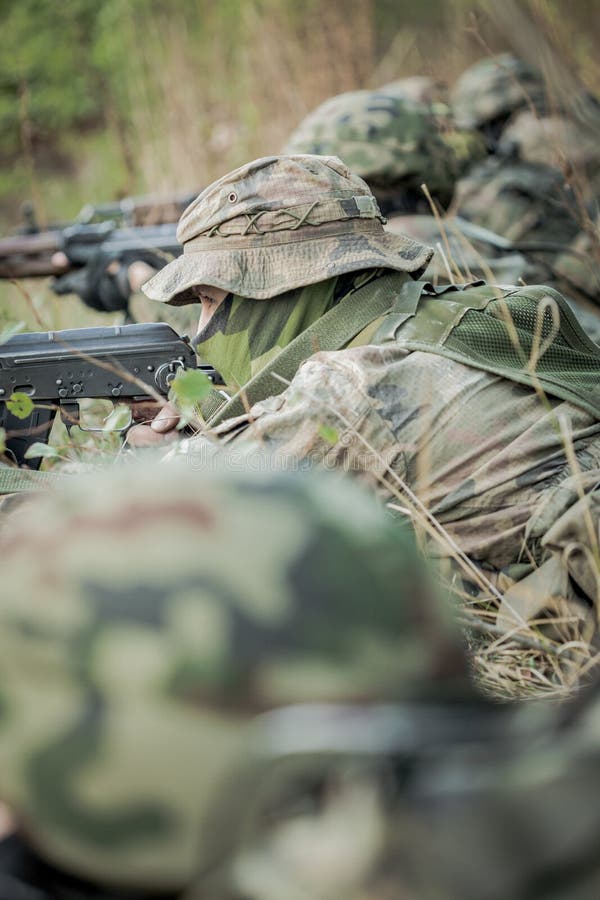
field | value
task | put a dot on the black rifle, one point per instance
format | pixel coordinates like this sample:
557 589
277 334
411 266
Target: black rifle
89 249
31 255
56 369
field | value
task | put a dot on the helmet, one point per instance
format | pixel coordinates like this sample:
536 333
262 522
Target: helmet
392 142
418 88
148 615
493 88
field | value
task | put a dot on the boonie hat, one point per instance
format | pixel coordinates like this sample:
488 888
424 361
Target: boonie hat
280 223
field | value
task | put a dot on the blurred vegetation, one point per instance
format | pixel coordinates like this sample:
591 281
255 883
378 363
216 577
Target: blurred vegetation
133 95
100 100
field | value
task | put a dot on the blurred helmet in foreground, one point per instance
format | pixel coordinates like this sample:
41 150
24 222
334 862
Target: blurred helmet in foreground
488 92
148 615
392 142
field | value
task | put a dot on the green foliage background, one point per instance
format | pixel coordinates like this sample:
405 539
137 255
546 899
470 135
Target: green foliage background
74 71
101 99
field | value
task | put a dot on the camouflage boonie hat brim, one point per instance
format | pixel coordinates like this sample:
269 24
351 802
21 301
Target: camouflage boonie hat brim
277 224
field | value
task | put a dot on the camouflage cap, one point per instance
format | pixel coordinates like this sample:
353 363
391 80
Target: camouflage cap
386 138
147 614
493 88
280 223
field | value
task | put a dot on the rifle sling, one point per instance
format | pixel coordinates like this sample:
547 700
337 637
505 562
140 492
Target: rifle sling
333 331
13 481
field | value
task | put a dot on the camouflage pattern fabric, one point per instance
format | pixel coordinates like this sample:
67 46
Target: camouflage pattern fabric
531 203
553 140
519 821
246 334
519 200
480 452
418 88
461 255
277 224
466 254
491 90
581 269
148 614
504 807
393 143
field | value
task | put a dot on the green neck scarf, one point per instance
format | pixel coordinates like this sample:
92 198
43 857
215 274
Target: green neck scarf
244 335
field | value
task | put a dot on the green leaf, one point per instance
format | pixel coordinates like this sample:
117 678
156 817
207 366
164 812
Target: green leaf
9 330
2 440
329 434
118 419
20 405
190 387
39 449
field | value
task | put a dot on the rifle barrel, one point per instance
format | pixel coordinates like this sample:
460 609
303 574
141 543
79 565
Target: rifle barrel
29 255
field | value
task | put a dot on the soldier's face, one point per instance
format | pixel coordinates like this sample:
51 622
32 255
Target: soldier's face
210 299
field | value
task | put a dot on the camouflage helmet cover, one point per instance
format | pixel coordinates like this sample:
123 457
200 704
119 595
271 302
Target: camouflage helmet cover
385 137
146 616
280 223
419 88
495 87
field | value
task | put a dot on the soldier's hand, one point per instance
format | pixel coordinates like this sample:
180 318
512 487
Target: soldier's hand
106 283
162 429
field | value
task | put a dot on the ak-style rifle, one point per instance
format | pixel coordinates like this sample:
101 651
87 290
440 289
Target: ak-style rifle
57 369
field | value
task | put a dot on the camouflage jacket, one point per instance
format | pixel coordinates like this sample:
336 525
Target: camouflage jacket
478 452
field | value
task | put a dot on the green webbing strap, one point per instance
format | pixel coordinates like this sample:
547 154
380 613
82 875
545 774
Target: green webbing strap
14 481
331 332
212 403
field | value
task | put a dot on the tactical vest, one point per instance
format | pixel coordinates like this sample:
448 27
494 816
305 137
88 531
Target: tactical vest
526 334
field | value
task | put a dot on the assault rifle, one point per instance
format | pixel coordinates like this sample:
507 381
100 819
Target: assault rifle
153 209
57 369
30 255
124 231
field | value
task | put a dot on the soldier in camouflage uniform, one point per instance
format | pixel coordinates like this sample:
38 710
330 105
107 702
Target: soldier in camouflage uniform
542 182
150 620
480 408
531 214
396 144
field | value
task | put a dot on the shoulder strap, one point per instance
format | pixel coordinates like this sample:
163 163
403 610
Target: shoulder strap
13 481
332 331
